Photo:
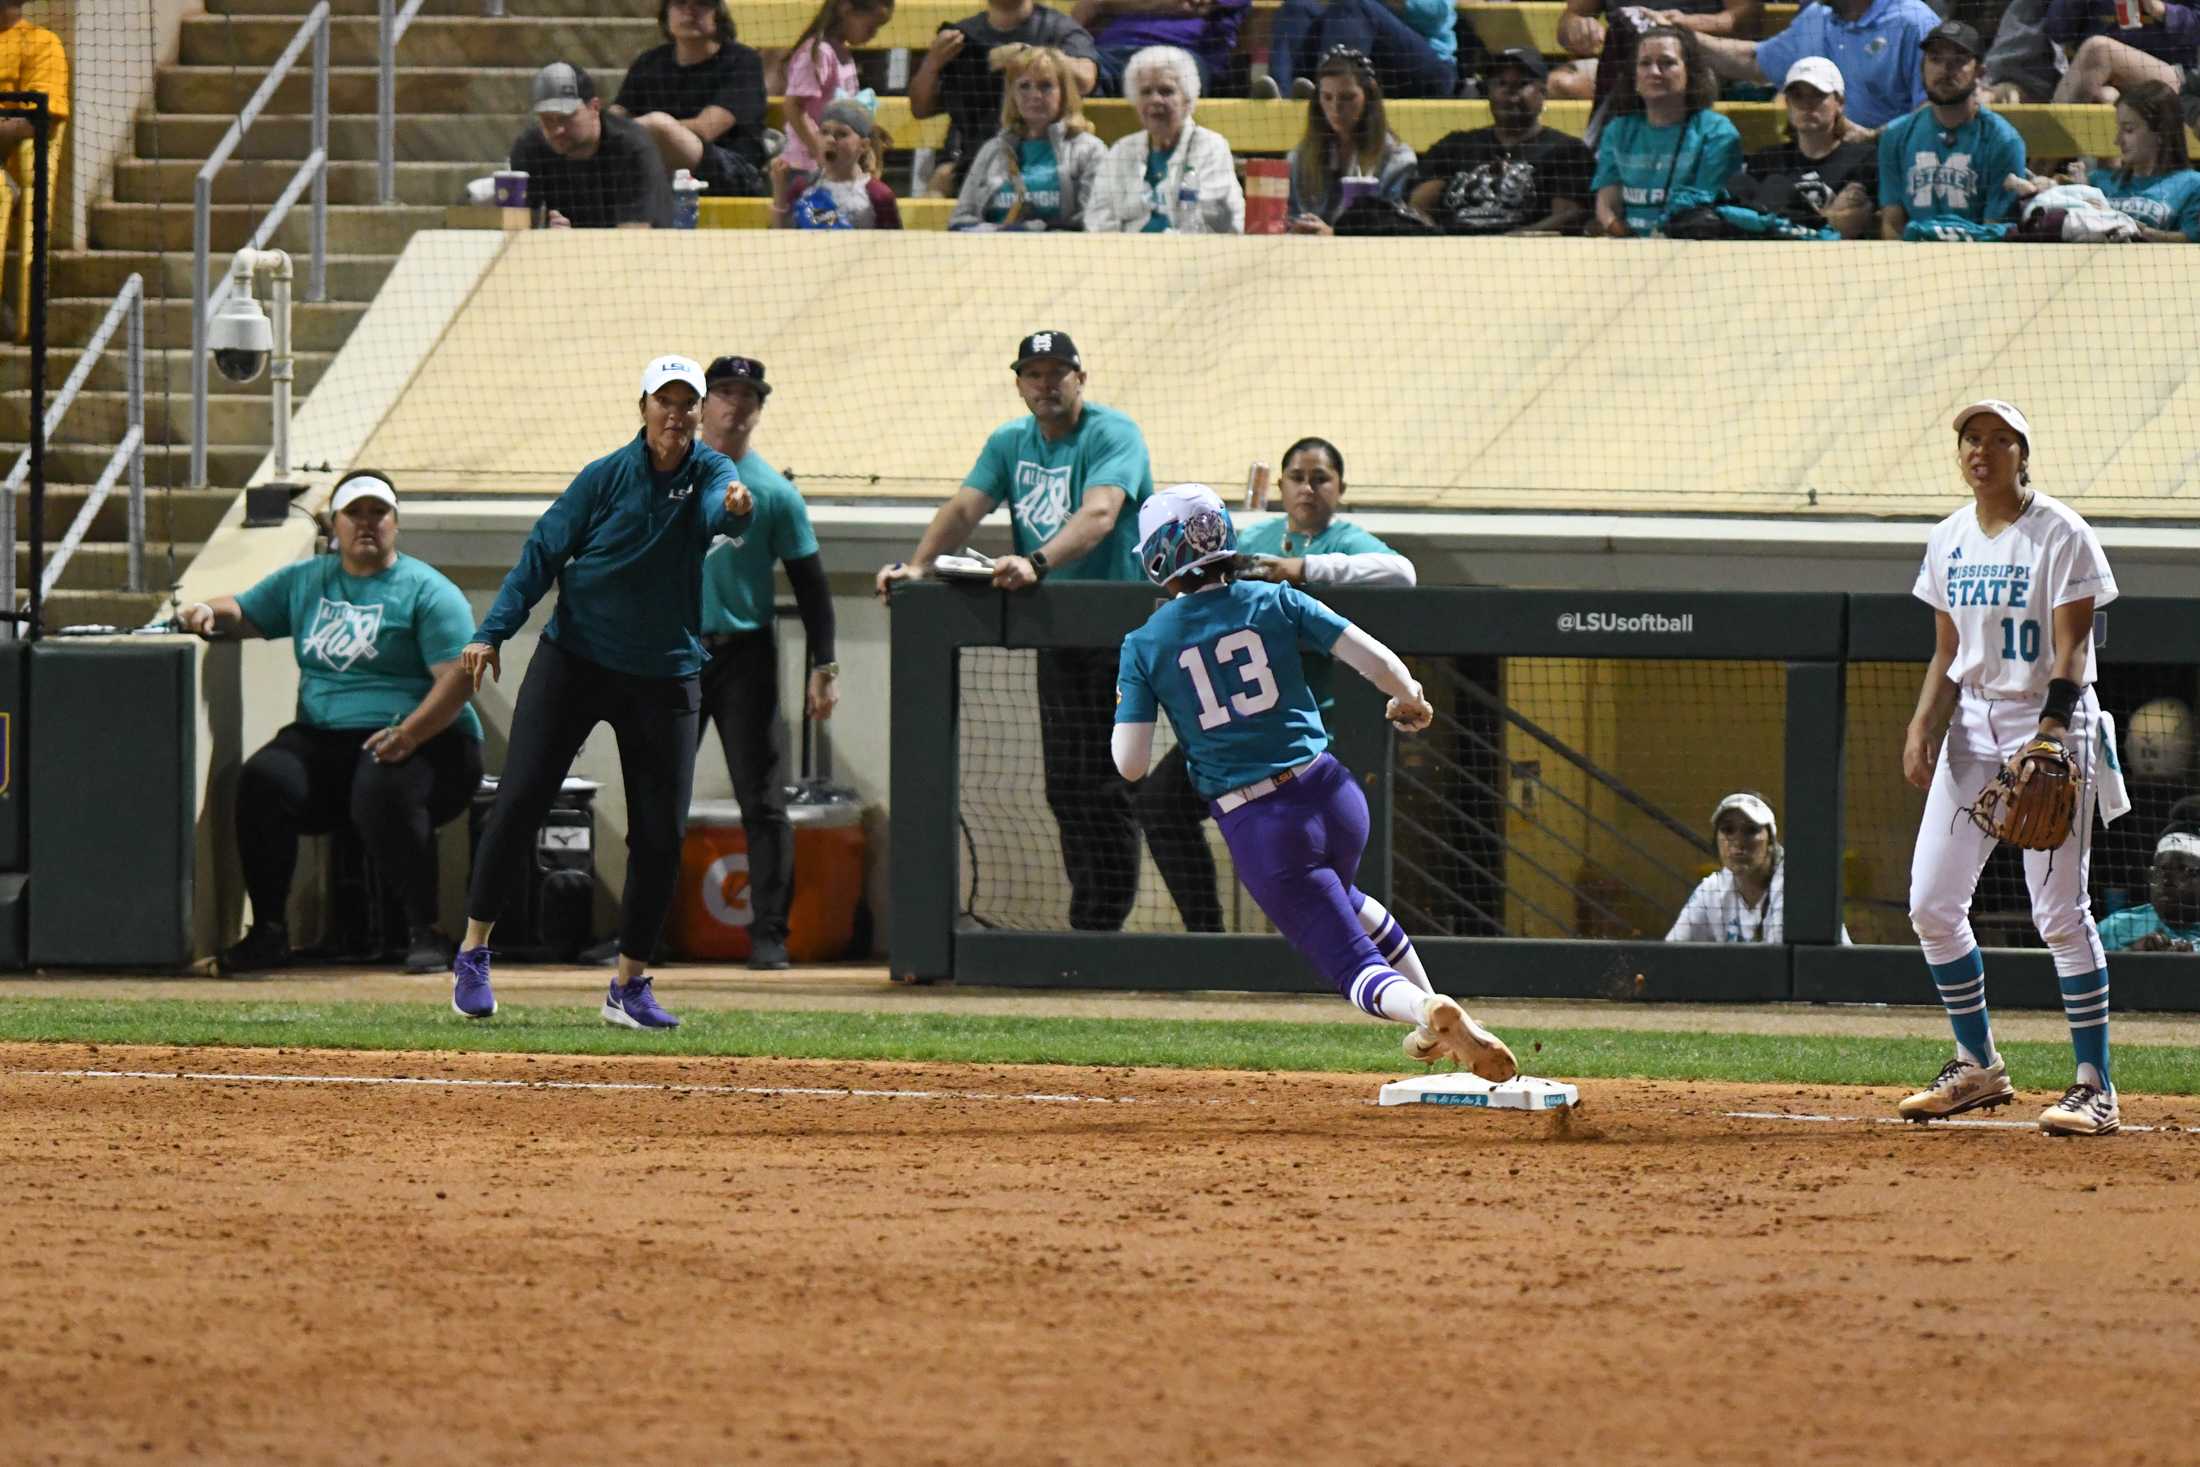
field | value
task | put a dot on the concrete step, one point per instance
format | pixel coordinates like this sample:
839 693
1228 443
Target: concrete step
354 90
189 515
102 417
435 137
253 42
166 371
104 565
170 182
353 229
125 610
101 272
320 326
167 465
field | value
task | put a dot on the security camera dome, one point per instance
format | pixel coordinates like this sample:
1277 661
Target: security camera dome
240 339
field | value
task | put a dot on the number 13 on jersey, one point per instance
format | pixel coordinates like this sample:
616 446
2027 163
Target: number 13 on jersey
1246 654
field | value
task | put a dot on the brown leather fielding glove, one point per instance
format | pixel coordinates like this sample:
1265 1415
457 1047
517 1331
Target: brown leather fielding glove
2033 801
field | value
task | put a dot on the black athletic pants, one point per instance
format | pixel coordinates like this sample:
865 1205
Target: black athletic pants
310 781
560 703
1174 816
741 696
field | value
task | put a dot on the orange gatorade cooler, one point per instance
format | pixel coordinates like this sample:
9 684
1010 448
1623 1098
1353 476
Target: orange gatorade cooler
710 916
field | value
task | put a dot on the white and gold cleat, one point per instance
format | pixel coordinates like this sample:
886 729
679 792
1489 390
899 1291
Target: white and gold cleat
1455 1033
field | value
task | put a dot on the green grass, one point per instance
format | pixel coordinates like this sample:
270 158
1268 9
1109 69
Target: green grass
1203 1044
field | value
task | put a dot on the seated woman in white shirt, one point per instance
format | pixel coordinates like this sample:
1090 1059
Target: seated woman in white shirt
1745 900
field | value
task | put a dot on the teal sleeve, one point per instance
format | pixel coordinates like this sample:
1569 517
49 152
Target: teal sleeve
1431 18
1134 700
443 622
2188 216
1608 156
792 537
2009 158
1119 458
1718 154
994 472
549 546
1318 627
267 605
1894 179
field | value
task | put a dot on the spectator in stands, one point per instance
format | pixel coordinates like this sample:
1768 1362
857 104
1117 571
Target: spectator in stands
2170 921
1875 43
1944 169
384 737
1412 45
1039 167
1174 176
1664 148
741 680
1515 176
1307 545
1073 474
847 192
1207 30
2022 64
1745 900
957 75
586 170
1348 151
31 60
1607 46
700 97
2106 59
2153 181
1819 177
821 68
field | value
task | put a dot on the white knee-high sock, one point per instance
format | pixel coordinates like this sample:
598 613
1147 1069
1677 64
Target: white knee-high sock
1391 941
1388 994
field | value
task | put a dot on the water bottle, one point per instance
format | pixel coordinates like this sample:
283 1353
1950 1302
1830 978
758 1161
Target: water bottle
687 204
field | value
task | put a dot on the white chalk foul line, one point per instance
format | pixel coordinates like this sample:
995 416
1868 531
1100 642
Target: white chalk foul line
1969 1122
822 1091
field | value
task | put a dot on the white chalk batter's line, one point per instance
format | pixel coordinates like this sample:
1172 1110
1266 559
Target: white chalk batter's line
826 1092
1975 1123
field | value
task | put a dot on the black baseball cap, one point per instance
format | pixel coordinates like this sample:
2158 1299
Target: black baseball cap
1527 58
737 369
1055 344
1956 33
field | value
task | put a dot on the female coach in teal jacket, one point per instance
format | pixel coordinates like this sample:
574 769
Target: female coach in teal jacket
625 545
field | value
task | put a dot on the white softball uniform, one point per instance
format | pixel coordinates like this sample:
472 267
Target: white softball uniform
1717 912
2002 591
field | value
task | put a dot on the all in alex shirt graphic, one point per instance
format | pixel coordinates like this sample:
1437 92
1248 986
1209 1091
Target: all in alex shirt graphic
364 643
1044 484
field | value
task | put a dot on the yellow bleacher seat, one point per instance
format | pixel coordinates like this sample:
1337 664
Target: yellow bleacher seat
757 213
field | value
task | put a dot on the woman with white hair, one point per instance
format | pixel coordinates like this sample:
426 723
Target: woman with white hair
1175 175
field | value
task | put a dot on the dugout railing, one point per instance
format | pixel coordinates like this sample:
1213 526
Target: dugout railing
1817 642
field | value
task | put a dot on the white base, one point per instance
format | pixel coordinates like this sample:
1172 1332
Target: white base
1522 1092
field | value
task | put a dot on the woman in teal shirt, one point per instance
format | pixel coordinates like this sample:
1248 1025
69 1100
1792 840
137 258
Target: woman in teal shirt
1665 148
384 736
1038 170
2153 181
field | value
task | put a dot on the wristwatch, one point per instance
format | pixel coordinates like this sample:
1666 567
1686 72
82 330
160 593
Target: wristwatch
830 669
1038 559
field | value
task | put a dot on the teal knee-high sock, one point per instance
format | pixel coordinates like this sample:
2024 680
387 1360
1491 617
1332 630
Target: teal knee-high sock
1962 986
2085 1005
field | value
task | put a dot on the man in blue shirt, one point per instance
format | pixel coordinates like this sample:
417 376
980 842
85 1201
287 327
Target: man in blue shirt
624 544
1073 474
741 680
1876 43
1223 659
1944 169
384 736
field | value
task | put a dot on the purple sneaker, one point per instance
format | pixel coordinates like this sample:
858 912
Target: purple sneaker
471 996
633 1006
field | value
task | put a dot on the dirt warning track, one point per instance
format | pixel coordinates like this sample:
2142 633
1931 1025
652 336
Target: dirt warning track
753 1261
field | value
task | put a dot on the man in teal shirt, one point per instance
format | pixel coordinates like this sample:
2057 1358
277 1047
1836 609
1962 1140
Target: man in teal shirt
2170 921
1073 474
1308 545
1944 169
741 680
384 736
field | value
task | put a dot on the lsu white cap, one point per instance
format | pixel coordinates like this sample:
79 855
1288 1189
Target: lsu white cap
364 484
672 369
1175 504
1819 72
1751 805
2179 842
2007 412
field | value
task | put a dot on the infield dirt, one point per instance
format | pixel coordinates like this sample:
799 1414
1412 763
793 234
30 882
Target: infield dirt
1179 1267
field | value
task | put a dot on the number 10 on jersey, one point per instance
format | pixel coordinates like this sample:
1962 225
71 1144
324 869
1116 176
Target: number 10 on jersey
1260 693
2019 640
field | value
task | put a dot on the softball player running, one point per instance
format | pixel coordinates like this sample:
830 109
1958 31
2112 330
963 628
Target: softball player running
2013 578
1222 659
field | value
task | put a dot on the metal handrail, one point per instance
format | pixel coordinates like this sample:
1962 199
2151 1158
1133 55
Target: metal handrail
205 301
128 306
394 25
